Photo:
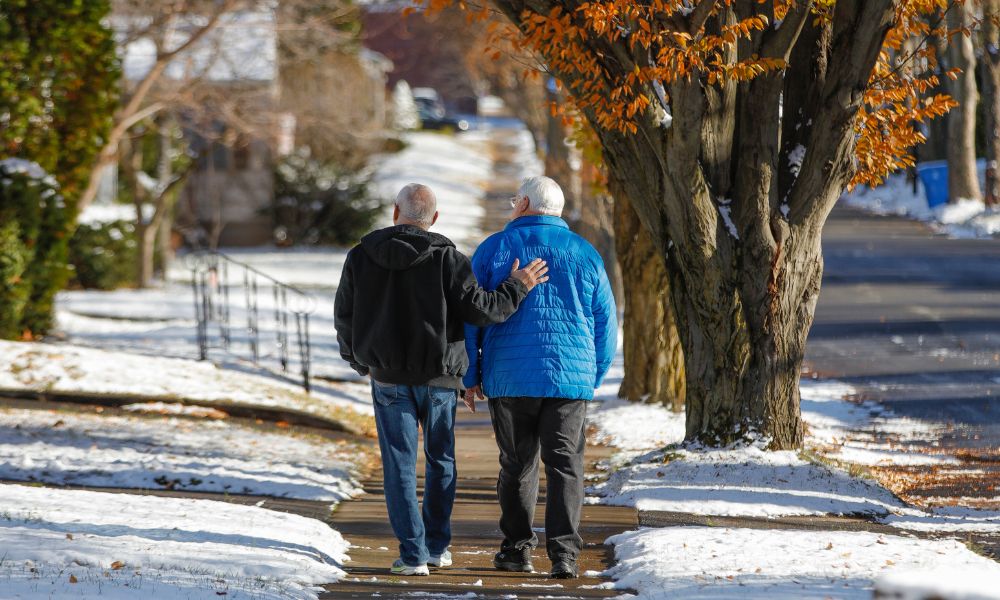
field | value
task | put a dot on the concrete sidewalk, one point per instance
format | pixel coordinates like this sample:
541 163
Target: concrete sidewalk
476 536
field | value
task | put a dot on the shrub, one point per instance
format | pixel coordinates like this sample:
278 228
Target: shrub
320 203
103 255
33 247
58 92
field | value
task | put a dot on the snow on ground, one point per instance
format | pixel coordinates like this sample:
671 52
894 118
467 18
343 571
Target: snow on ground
161 322
69 448
75 369
963 219
939 583
865 433
715 562
82 544
630 427
746 481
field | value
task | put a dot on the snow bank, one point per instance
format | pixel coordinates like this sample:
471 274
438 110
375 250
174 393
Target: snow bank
630 426
69 448
963 219
74 369
713 562
79 544
938 584
742 481
747 481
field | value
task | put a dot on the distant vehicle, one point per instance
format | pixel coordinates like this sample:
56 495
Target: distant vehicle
432 112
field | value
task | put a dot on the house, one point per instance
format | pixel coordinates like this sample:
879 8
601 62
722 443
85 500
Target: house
246 97
425 51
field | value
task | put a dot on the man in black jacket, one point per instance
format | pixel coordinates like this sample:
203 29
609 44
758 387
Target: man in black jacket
404 296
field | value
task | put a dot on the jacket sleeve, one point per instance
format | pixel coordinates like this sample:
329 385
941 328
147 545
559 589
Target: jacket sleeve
343 312
474 333
605 325
475 305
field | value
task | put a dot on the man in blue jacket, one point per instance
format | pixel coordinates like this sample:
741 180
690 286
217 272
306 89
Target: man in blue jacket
539 369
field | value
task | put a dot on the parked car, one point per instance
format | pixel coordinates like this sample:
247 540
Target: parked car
432 112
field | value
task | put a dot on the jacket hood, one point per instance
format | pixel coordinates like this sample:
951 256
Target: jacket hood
402 246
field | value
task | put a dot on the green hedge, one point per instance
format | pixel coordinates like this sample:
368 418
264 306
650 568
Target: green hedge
321 203
33 247
58 92
103 255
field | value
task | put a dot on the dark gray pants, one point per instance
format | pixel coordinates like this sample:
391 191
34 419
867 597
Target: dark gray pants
554 426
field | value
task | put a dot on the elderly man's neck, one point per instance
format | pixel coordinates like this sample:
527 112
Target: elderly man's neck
404 221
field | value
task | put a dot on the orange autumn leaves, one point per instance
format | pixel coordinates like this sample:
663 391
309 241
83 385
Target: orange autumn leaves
617 58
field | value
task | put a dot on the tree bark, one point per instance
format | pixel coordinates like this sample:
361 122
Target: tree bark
963 181
990 77
654 357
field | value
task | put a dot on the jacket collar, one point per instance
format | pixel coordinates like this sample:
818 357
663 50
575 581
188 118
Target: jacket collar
532 220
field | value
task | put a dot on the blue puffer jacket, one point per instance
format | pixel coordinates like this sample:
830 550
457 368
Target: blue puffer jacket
562 339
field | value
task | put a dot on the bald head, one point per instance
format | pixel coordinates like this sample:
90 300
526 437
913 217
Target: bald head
416 205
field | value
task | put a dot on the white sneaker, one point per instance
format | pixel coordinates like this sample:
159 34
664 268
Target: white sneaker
401 568
444 560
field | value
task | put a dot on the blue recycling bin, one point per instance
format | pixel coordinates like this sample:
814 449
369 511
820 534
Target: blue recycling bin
934 175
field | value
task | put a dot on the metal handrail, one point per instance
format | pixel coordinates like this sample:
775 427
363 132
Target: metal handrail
211 283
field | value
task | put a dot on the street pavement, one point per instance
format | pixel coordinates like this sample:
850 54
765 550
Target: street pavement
911 319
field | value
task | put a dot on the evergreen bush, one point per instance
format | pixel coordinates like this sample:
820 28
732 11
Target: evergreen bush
58 93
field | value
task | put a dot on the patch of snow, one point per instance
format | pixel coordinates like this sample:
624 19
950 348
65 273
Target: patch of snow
741 481
947 518
105 212
75 369
77 544
726 210
965 218
630 426
958 212
897 196
21 166
795 158
939 584
713 562
68 448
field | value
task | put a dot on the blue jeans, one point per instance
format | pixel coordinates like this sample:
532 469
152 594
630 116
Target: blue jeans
399 410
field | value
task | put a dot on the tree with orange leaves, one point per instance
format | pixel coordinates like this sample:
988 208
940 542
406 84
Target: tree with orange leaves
733 126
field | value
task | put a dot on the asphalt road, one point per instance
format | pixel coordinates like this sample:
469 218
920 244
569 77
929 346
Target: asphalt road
912 320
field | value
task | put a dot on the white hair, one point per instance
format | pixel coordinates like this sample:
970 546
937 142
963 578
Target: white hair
544 195
417 203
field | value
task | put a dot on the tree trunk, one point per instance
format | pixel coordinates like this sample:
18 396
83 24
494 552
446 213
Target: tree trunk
734 190
963 181
990 77
146 235
654 358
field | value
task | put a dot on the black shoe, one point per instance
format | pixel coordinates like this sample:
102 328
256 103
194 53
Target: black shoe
564 569
515 560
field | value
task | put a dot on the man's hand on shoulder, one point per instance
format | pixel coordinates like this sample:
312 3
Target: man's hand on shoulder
530 276
470 396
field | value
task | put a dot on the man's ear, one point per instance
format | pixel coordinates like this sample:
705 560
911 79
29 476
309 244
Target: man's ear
395 214
434 219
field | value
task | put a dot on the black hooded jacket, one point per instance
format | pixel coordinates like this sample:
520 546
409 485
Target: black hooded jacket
403 298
